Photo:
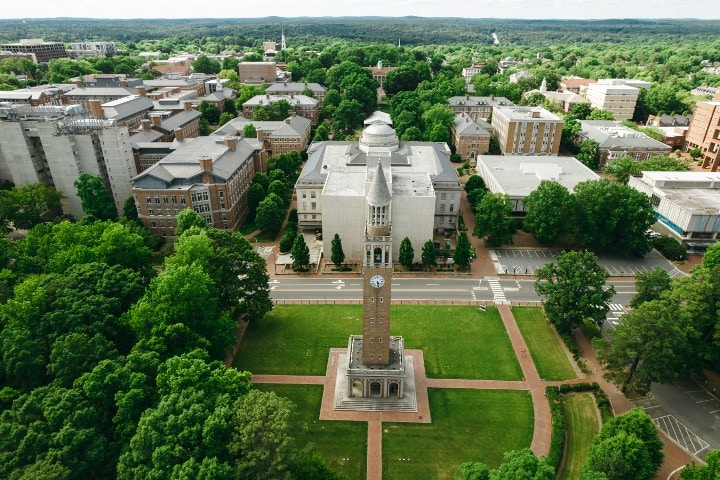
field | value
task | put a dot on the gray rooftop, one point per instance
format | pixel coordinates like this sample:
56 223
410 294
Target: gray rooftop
520 175
613 135
179 119
126 107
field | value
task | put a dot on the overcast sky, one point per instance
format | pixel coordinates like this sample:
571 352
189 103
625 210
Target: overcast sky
531 9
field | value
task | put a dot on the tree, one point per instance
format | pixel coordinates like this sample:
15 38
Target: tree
249 131
180 312
270 214
428 254
76 353
711 259
301 255
262 444
651 344
407 253
129 209
203 64
709 471
623 168
463 251
474 182
188 219
518 464
492 219
600 114
209 112
549 212
28 205
695 153
589 154
613 218
94 198
628 447
574 290
337 256
650 286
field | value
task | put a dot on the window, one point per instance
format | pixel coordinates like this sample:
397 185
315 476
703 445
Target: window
381 299
380 321
372 320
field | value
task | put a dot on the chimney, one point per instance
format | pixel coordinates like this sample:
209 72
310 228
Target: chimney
156 120
287 120
179 135
206 164
292 113
123 83
467 119
140 90
187 105
145 122
230 142
467 96
95 108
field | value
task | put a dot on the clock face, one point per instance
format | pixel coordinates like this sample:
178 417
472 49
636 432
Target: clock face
377 281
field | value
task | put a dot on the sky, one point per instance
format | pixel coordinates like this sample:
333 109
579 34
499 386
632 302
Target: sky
519 9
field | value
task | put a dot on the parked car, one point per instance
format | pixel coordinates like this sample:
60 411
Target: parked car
652 234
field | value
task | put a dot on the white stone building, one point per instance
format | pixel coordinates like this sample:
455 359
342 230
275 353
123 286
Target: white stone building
332 187
54 145
614 95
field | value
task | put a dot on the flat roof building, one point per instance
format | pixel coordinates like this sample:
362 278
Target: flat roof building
687 204
518 176
41 50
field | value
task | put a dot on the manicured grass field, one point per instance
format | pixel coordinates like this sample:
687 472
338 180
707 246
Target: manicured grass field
544 346
457 341
467 426
582 425
334 440
296 339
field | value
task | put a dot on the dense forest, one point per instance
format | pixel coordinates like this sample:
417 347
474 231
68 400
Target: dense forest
408 30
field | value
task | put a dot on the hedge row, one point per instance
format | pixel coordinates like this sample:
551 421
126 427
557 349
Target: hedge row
557 442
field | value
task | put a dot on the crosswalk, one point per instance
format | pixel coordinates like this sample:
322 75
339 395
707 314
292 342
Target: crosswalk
497 290
613 316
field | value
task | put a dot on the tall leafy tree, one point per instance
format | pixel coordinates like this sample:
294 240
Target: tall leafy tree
612 217
574 290
650 286
492 219
549 212
517 464
337 256
649 345
180 312
301 254
262 443
429 258
589 153
188 219
94 197
270 214
407 253
628 447
28 205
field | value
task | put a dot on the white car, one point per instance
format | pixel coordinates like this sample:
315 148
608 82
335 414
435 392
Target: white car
652 234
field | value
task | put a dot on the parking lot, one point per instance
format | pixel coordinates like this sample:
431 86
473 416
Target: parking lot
524 261
688 413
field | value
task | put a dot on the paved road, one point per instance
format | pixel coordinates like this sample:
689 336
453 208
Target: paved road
445 289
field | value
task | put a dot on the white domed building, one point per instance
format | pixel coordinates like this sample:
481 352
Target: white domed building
331 190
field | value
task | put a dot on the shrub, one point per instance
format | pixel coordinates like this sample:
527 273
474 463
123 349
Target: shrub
670 248
557 442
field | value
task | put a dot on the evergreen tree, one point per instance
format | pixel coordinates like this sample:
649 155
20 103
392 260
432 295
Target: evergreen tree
407 253
337 255
463 251
301 255
428 254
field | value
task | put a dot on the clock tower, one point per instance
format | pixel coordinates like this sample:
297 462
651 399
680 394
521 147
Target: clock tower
377 271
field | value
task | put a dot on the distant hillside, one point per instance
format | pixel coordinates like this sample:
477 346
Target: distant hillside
408 30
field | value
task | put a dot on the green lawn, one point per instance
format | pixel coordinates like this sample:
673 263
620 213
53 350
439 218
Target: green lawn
544 346
296 339
467 426
334 440
581 419
457 341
